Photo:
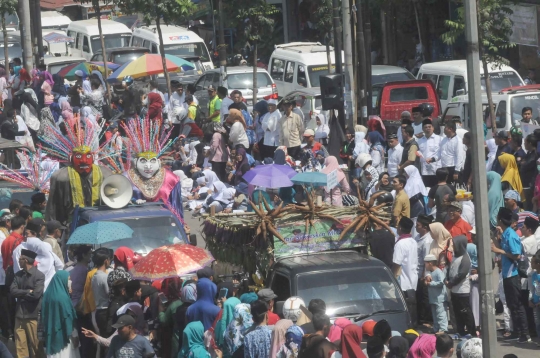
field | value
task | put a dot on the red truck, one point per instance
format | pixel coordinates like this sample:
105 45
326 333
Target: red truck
396 97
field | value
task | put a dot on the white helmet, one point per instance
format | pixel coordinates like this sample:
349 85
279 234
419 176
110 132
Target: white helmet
362 159
291 308
180 112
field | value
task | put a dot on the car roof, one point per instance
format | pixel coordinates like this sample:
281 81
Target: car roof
105 213
311 53
386 70
461 65
59 59
91 25
123 49
168 30
326 260
238 69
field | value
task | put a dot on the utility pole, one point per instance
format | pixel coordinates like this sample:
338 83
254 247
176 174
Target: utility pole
487 304
337 49
384 36
222 48
27 40
38 32
362 71
350 88
367 34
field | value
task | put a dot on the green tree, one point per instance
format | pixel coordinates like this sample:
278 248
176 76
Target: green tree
166 11
256 16
494 30
324 22
7 7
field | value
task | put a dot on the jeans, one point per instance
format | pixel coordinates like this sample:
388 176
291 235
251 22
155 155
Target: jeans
528 313
440 319
464 316
512 292
536 313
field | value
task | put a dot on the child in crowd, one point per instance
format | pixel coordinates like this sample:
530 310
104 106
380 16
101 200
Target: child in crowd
445 346
437 293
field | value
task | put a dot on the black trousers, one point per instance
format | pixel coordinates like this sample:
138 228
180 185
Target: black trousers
267 151
219 169
422 301
5 314
529 313
102 320
410 299
463 313
429 180
512 291
175 132
11 303
88 348
295 152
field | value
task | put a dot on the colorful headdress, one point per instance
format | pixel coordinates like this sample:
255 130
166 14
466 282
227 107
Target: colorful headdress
147 138
38 174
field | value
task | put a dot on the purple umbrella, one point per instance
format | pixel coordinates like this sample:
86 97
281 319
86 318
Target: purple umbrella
270 176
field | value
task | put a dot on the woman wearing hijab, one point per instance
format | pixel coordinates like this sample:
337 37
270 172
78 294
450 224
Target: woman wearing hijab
226 319
371 176
293 341
333 196
442 240
281 157
217 199
375 123
495 196
322 131
376 141
193 342
399 347
257 197
237 134
67 111
510 178
58 87
242 166
287 195
416 191
384 183
188 296
185 182
171 287
351 339
234 338
337 328
123 262
48 97
59 318
47 77
278 336
492 152
423 347
219 152
20 82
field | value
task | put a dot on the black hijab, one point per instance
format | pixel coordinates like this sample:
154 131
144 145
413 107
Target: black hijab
58 86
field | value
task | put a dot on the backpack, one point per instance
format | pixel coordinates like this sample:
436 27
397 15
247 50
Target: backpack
523 263
198 116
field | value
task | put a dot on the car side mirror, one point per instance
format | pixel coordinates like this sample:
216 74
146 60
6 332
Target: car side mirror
86 48
193 239
461 92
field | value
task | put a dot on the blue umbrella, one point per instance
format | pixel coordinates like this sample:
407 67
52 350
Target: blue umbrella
313 178
270 176
100 232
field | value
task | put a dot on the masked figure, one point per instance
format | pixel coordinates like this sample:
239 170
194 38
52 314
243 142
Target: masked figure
79 183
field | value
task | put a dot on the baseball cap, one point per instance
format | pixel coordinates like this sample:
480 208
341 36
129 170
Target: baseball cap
309 133
266 294
502 134
368 326
124 320
53 225
457 205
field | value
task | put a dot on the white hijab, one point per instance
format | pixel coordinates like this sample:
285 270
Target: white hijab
211 178
414 184
492 147
185 182
219 192
360 145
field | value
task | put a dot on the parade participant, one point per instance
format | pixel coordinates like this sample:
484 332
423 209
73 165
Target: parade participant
214 105
290 128
271 130
402 206
237 133
530 247
405 120
492 151
333 196
316 345
423 242
78 184
204 309
395 152
456 225
415 190
54 235
418 122
129 341
376 141
312 144
450 153
323 130
428 145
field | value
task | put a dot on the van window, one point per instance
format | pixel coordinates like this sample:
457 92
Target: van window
433 78
315 72
500 114
289 72
281 287
459 83
86 45
79 40
501 80
154 48
408 94
188 49
74 35
111 40
442 87
137 42
200 83
276 70
301 76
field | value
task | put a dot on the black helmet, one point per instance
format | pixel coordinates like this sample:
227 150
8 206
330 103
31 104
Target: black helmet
386 197
426 109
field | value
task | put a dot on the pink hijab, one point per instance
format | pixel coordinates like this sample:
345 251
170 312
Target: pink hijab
423 347
278 336
337 329
67 111
46 89
331 164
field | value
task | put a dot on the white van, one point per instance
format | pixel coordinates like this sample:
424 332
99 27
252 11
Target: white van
508 108
53 20
87 40
177 41
450 77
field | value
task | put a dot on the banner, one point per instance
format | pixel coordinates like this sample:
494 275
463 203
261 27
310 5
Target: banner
323 236
524 28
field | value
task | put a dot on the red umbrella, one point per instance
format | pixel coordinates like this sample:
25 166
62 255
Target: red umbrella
171 261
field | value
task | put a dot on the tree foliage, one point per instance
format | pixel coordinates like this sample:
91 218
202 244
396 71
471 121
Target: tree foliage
8 7
256 17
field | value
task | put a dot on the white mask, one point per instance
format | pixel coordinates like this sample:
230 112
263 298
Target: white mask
147 168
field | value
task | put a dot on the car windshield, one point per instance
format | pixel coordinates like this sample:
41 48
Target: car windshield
148 233
111 40
315 72
189 49
351 292
391 77
521 101
54 68
501 80
122 57
245 80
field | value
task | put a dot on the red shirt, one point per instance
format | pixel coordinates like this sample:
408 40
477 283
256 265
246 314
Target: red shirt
461 227
8 245
272 318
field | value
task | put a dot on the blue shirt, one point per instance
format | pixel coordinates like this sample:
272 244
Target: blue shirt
511 244
535 291
473 254
257 343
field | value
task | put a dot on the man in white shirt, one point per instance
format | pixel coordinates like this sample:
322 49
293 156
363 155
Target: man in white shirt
394 154
460 131
48 262
423 241
530 247
177 101
226 101
405 119
271 131
418 122
428 145
405 264
451 153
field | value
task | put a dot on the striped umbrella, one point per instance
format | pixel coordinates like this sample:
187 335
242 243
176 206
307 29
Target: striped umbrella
68 72
149 65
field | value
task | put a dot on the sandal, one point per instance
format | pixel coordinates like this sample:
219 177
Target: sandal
507 334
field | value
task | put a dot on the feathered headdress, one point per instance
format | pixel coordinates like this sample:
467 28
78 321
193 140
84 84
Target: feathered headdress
38 173
146 138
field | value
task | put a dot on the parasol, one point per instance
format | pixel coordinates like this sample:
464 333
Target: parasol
68 72
100 232
171 261
149 65
310 178
270 176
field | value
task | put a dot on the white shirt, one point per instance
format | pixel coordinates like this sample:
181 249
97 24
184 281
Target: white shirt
423 243
461 132
406 255
530 246
48 262
238 135
451 153
468 213
225 103
394 158
376 160
298 111
429 148
418 128
174 102
271 130
321 132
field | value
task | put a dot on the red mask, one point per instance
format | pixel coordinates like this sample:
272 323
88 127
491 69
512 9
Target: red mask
82 162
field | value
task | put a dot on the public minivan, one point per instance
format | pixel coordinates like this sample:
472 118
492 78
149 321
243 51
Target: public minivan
87 40
177 41
450 77
53 20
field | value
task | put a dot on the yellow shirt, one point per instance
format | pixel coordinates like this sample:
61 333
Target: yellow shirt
89 304
192 111
402 206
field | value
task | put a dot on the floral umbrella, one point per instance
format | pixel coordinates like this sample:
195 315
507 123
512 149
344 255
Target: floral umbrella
171 261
